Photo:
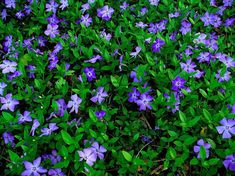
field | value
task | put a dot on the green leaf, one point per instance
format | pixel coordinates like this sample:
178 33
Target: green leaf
8 117
202 153
67 138
207 115
204 94
13 156
92 115
182 116
194 161
172 152
114 81
127 155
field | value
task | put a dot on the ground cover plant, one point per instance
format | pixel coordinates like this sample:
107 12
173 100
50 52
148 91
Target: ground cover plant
117 87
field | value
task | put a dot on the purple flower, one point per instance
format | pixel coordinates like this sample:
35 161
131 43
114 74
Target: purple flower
51 6
144 102
204 57
20 14
137 51
98 149
174 15
229 162
100 96
143 10
25 117
53 19
64 4
35 125
48 131
185 27
8 66
216 21
134 77
106 36
52 30
88 155
86 20
100 114
145 139
90 73
94 59
225 77
8 138
124 6
2 87
54 157
154 2
188 66
153 28
173 35
61 107
233 109
105 13
33 168
201 143
207 19
157 45
134 95
10 4
141 25
74 103
228 61
41 41
85 7
229 22
56 172
227 128
178 83
8 103
4 14
199 74
228 3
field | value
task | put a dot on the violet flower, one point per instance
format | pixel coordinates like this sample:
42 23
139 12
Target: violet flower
200 143
88 155
137 51
74 103
86 20
185 27
35 125
225 77
4 14
106 36
94 59
100 114
134 95
56 172
178 84
10 4
100 95
51 6
157 45
144 102
25 117
105 13
8 66
188 66
52 30
62 107
227 128
64 4
33 168
154 2
99 150
8 103
229 162
48 131
8 138
90 73
2 87
124 6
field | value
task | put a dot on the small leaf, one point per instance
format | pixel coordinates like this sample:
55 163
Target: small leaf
202 153
182 116
114 81
67 138
127 156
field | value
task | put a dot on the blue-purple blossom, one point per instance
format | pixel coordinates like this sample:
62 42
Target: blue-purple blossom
134 95
100 114
35 125
33 168
64 4
185 27
188 66
98 149
10 4
90 73
88 155
157 45
229 162
8 138
136 52
51 6
74 103
144 102
47 131
2 87
52 30
100 95
178 83
201 143
56 172
223 77
86 20
106 36
8 103
105 13
4 14
94 59
8 66
227 128
25 117
124 6
154 2
62 107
